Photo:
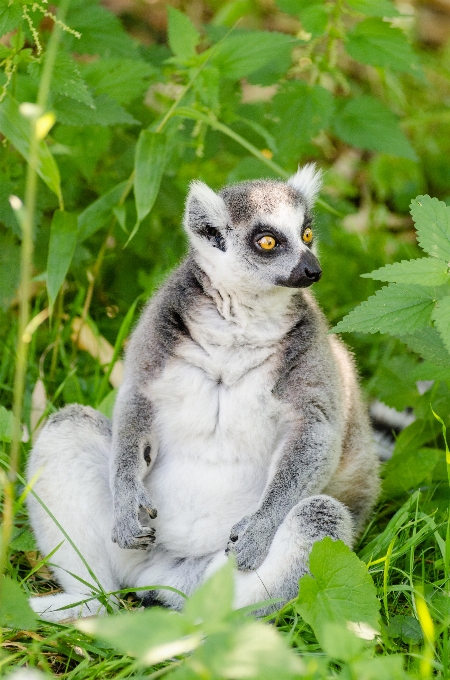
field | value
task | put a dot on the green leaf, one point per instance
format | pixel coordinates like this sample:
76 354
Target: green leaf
6 424
121 79
407 469
390 667
314 18
375 42
63 239
374 8
10 18
339 589
102 33
242 54
106 406
367 123
17 129
428 271
213 601
182 34
149 164
152 636
432 218
301 111
340 643
395 309
405 627
9 271
428 343
96 215
106 111
66 80
441 318
15 612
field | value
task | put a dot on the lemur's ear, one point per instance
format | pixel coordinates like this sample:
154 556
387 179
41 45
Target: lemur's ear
205 214
308 182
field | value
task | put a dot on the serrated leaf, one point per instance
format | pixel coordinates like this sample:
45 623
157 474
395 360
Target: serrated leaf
242 54
375 42
106 111
6 424
314 18
441 318
339 588
121 79
15 612
367 123
374 8
17 130
426 270
395 309
66 80
95 216
182 34
101 31
302 111
428 343
432 219
10 18
63 239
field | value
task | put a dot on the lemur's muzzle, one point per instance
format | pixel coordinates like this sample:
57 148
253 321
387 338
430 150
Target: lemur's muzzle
305 273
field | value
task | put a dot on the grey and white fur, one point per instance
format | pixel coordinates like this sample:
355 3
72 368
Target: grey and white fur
239 427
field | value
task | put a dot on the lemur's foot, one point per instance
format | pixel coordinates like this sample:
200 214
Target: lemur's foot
249 542
127 531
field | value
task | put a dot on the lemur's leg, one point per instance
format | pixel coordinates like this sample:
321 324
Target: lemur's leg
71 461
310 520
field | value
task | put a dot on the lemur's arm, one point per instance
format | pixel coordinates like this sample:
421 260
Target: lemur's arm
132 455
302 466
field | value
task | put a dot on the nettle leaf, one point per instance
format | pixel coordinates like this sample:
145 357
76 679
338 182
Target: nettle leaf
428 271
182 34
339 589
432 218
63 239
17 130
441 318
428 343
395 309
10 18
301 111
121 79
242 54
15 612
374 8
367 123
101 31
314 18
375 42
6 424
67 80
106 111
95 216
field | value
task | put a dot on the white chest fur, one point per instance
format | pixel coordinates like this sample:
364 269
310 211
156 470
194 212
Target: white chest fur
217 428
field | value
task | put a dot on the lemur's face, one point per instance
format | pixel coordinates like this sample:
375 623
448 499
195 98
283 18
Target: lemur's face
256 234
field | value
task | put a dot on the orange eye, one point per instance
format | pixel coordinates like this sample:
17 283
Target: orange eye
267 242
307 235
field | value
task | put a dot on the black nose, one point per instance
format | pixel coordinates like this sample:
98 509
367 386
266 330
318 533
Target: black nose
304 274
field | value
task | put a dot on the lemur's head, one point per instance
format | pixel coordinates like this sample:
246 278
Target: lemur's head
257 233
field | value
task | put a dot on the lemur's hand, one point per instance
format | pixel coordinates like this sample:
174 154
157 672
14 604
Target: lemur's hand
250 541
128 532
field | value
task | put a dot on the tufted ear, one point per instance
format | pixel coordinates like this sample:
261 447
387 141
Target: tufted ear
307 181
204 210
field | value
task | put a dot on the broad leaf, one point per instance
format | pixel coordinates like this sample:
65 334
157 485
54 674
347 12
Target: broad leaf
426 271
374 8
15 612
406 470
106 111
96 215
149 163
339 588
63 239
121 79
212 602
405 627
441 318
375 42
367 123
6 424
101 31
66 79
17 129
10 18
432 218
314 18
182 34
428 343
395 309
244 53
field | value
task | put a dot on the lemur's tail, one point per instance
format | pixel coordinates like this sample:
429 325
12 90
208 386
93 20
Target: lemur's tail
386 423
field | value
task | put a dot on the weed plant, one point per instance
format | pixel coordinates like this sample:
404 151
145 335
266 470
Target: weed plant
103 122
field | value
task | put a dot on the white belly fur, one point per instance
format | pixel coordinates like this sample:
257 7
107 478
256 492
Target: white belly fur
216 429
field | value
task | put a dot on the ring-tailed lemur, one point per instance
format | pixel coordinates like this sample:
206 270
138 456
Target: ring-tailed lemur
239 427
